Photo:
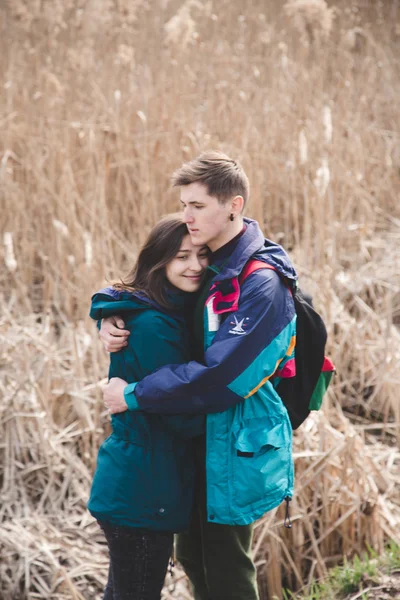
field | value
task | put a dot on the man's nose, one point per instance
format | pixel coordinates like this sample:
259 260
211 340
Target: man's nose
187 216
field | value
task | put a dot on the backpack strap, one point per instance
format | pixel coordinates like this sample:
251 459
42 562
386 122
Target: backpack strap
251 266
255 265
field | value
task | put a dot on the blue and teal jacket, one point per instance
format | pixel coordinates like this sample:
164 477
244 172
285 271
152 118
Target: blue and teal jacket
249 333
145 468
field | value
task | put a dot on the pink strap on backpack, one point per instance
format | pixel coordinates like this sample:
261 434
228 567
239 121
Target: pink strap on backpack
251 266
256 265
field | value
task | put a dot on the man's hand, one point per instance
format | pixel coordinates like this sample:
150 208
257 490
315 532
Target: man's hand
113 394
112 334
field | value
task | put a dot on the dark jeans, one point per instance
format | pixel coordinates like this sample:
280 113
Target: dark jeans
138 562
216 558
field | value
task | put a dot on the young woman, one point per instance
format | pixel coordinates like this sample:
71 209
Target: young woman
142 490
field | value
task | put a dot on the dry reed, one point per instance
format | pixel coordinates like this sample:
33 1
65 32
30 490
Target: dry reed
97 107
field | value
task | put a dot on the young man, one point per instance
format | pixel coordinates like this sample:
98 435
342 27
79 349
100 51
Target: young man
244 335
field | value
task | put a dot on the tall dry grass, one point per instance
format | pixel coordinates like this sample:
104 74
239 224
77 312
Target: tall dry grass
99 103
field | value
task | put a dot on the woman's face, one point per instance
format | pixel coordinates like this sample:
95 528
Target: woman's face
185 271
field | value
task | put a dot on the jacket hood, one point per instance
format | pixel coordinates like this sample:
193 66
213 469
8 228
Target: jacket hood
109 301
252 244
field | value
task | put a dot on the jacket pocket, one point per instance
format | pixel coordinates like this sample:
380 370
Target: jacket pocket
254 438
261 462
121 484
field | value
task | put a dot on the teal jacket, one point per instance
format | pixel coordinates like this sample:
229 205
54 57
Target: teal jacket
145 470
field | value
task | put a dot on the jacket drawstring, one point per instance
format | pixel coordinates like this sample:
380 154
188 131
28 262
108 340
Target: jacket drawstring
172 561
171 564
287 522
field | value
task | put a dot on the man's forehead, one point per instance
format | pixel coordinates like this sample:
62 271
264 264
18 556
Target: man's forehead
195 192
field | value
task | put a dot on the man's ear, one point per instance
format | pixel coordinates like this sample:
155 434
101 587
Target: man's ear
237 205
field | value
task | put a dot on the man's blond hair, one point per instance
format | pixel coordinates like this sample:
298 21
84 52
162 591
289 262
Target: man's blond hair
222 176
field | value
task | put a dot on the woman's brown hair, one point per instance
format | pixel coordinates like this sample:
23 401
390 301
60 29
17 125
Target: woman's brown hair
162 245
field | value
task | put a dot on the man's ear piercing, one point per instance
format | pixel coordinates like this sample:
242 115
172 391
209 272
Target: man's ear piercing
232 218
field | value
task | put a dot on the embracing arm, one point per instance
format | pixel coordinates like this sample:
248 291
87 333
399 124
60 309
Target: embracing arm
113 333
237 363
111 325
156 340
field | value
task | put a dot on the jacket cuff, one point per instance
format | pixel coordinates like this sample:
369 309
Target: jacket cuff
130 398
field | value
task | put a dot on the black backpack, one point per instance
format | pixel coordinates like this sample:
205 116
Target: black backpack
302 390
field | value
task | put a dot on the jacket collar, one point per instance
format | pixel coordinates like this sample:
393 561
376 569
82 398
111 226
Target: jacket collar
225 287
252 244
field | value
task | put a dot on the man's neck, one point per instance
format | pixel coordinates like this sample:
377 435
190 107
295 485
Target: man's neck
227 235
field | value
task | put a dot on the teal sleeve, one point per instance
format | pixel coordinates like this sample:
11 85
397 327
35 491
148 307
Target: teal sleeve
130 398
157 340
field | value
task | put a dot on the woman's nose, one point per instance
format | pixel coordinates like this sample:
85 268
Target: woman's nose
195 264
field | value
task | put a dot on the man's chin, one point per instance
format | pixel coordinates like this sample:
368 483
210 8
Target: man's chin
198 240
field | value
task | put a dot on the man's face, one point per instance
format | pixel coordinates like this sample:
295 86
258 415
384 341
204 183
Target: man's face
206 218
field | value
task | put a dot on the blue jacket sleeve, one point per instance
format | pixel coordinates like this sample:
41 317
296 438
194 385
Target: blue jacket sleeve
236 364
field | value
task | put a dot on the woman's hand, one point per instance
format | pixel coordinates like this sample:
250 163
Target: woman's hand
112 333
113 394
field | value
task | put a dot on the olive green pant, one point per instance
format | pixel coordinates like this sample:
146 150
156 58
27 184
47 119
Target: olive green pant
216 558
